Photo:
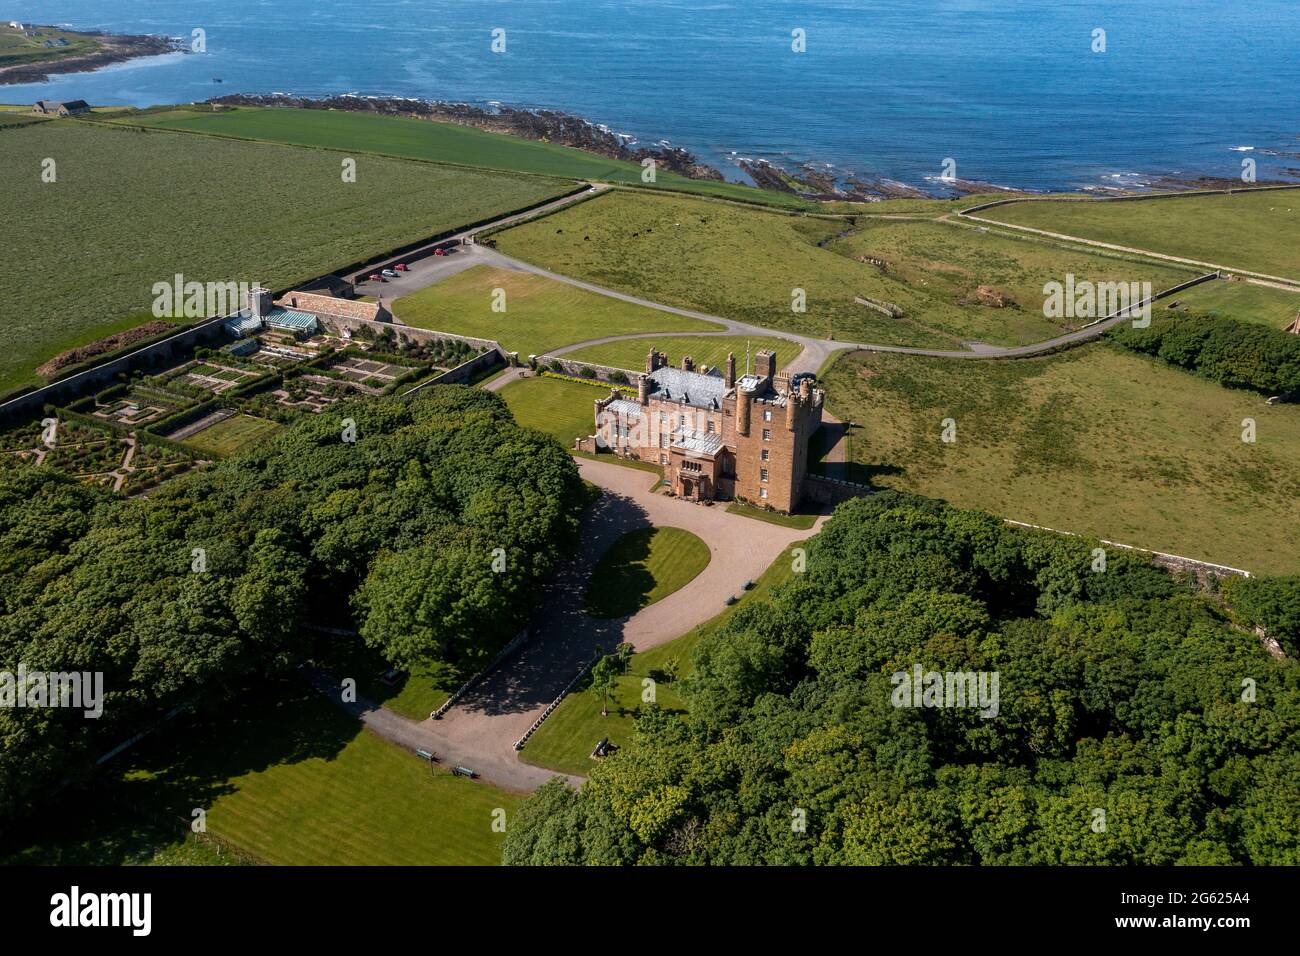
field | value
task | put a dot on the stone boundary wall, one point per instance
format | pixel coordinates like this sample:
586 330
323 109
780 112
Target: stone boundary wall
465 371
1176 562
516 642
146 358
542 363
336 324
832 491
550 708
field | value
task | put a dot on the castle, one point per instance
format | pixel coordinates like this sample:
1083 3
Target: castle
715 436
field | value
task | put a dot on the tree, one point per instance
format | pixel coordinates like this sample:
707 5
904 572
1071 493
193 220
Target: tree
604 680
624 652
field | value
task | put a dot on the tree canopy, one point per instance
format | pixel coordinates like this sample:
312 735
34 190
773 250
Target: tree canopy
1135 724
431 531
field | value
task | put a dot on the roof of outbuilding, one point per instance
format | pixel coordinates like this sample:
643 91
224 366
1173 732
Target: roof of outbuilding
700 443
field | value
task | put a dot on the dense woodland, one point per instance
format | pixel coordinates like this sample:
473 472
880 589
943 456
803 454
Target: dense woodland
1125 691
1224 350
397 528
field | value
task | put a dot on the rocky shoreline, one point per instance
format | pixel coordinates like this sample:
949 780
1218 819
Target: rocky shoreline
807 180
113 48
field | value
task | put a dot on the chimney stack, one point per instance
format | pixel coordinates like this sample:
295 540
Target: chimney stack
730 377
765 365
259 302
643 390
687 364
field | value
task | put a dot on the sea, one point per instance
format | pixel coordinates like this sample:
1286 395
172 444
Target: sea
1035 94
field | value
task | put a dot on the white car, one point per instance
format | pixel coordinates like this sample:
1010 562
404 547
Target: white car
391 274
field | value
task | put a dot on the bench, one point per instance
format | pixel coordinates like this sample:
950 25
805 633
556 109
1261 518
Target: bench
427 755
464 772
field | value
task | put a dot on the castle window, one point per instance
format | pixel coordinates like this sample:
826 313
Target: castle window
767 434
762 492
663 440
767 414
762 474
765 454
710 426
663 460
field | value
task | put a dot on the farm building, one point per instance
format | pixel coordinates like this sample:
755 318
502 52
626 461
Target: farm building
261 313
55 108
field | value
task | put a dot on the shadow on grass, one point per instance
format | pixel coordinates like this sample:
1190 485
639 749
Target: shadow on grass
141 803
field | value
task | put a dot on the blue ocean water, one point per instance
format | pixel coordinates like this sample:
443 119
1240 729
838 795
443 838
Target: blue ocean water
1009 89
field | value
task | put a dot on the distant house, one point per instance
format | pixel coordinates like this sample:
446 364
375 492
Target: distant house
54 108
15 25
57 42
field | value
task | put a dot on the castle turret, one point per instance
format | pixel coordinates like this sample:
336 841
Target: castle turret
643 389
688 364
730 377
744 398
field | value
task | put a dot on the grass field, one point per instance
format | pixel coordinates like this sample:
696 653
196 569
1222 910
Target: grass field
1255 231
132 208
286 778
231 434
800 522
540 314
16 49
747 264
1095 441
703 350
439 142
565 741
642 568
559 408
1244 301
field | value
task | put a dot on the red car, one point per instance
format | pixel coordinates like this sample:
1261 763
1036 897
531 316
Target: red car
376 277
401 267
439 252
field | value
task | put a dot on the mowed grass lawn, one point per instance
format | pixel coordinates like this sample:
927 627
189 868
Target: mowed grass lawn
703 350
286 778
132 208
756 266
562 409
642 568
1095 441
540 314
1257 231
231 434
1244 301
565 741
438 142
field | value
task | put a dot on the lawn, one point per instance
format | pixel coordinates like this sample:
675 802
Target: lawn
1095 441
539 314
1245 301
562 409
1255 231
286 778
642 568
752 265
438 142
799 522
16 49
565 741
133 208
231 434
703 350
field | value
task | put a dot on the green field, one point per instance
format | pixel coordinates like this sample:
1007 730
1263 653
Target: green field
439 142
18 50
285 778
540 314
231 434
1257 231
131 209
1095 441
642 568
1245 301
800 522
559 408
746 264
565 741
703 350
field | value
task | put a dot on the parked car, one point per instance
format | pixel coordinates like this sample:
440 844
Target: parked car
402 267
391 274
439 252
376 277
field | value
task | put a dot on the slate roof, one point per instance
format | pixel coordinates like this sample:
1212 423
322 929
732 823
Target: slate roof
694 388
622 406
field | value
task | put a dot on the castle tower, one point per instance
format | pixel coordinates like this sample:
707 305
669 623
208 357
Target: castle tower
730 377
643 389
765 365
